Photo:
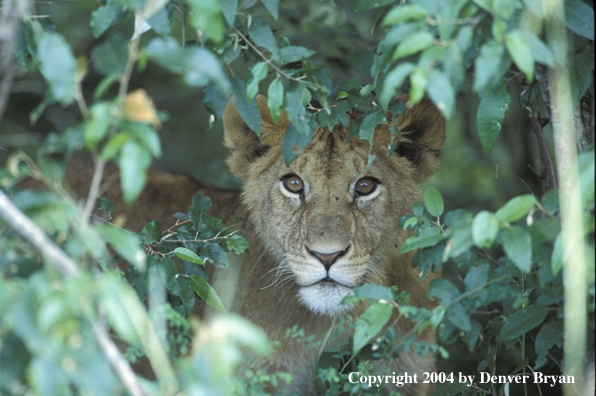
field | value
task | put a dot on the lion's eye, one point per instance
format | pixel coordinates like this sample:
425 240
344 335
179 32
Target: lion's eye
366 186
293 184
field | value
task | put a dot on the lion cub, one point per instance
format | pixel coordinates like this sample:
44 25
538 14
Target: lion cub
324 226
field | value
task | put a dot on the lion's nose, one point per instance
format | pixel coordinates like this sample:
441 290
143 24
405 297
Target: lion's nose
328 258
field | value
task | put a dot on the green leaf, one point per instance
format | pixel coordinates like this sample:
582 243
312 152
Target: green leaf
110 56
259 72
294 138
151 232
373 292
57 64
97 127
484 229
521 52
516 208
111 148
369 123
476 277
237 244
429 236
443 290
403 13
364 5
370 323
491 112
413 43
550 334
273 7
134 161
517 243
147 136
206 16
105 205
206 292
262 35
229 9
200 206
294 53
125 244
523 321
540 51
433 200
219 256
458 316
419 80
441 91
188 255
105 17
394 80
556 262
248 111
579 18
275 98
487 64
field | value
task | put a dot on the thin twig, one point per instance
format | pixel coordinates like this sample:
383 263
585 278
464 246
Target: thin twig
56 256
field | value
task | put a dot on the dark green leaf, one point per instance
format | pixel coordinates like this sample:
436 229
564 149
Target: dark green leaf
443 290
370 323
219 256
550 334
494 103
293 138
433 200
272 6
229 9
523 321
364 5
215 102
110 56
294 53
237 244
151 232
459 317
476 277
104 17
369 123
262 35
105 205
393 81
248 111
517 243
147 136
200 206
579 18
206 292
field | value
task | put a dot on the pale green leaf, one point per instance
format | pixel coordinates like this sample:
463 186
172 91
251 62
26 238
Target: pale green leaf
272 6
206 292
206 16
188 255
237 244
393 81
294 53
403 13
57 64
516 208
579 18
259 72
441 92
97 127
484 229
275 98
487 64
521 53
125 244
104 17
429 236
370 323
517 244
413 43
419 80
134 161
433 200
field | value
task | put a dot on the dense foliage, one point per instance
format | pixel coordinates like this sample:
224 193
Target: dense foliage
502 300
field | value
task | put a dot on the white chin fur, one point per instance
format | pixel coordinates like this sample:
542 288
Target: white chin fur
324 298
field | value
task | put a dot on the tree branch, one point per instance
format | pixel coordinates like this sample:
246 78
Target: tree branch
56 256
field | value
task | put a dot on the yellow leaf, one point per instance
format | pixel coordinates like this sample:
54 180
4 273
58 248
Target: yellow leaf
138 106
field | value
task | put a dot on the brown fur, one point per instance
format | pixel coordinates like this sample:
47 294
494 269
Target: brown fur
327 218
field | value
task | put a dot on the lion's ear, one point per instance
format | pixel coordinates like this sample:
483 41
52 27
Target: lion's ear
243 144
423 133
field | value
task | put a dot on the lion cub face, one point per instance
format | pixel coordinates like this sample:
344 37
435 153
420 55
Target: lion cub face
330 224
